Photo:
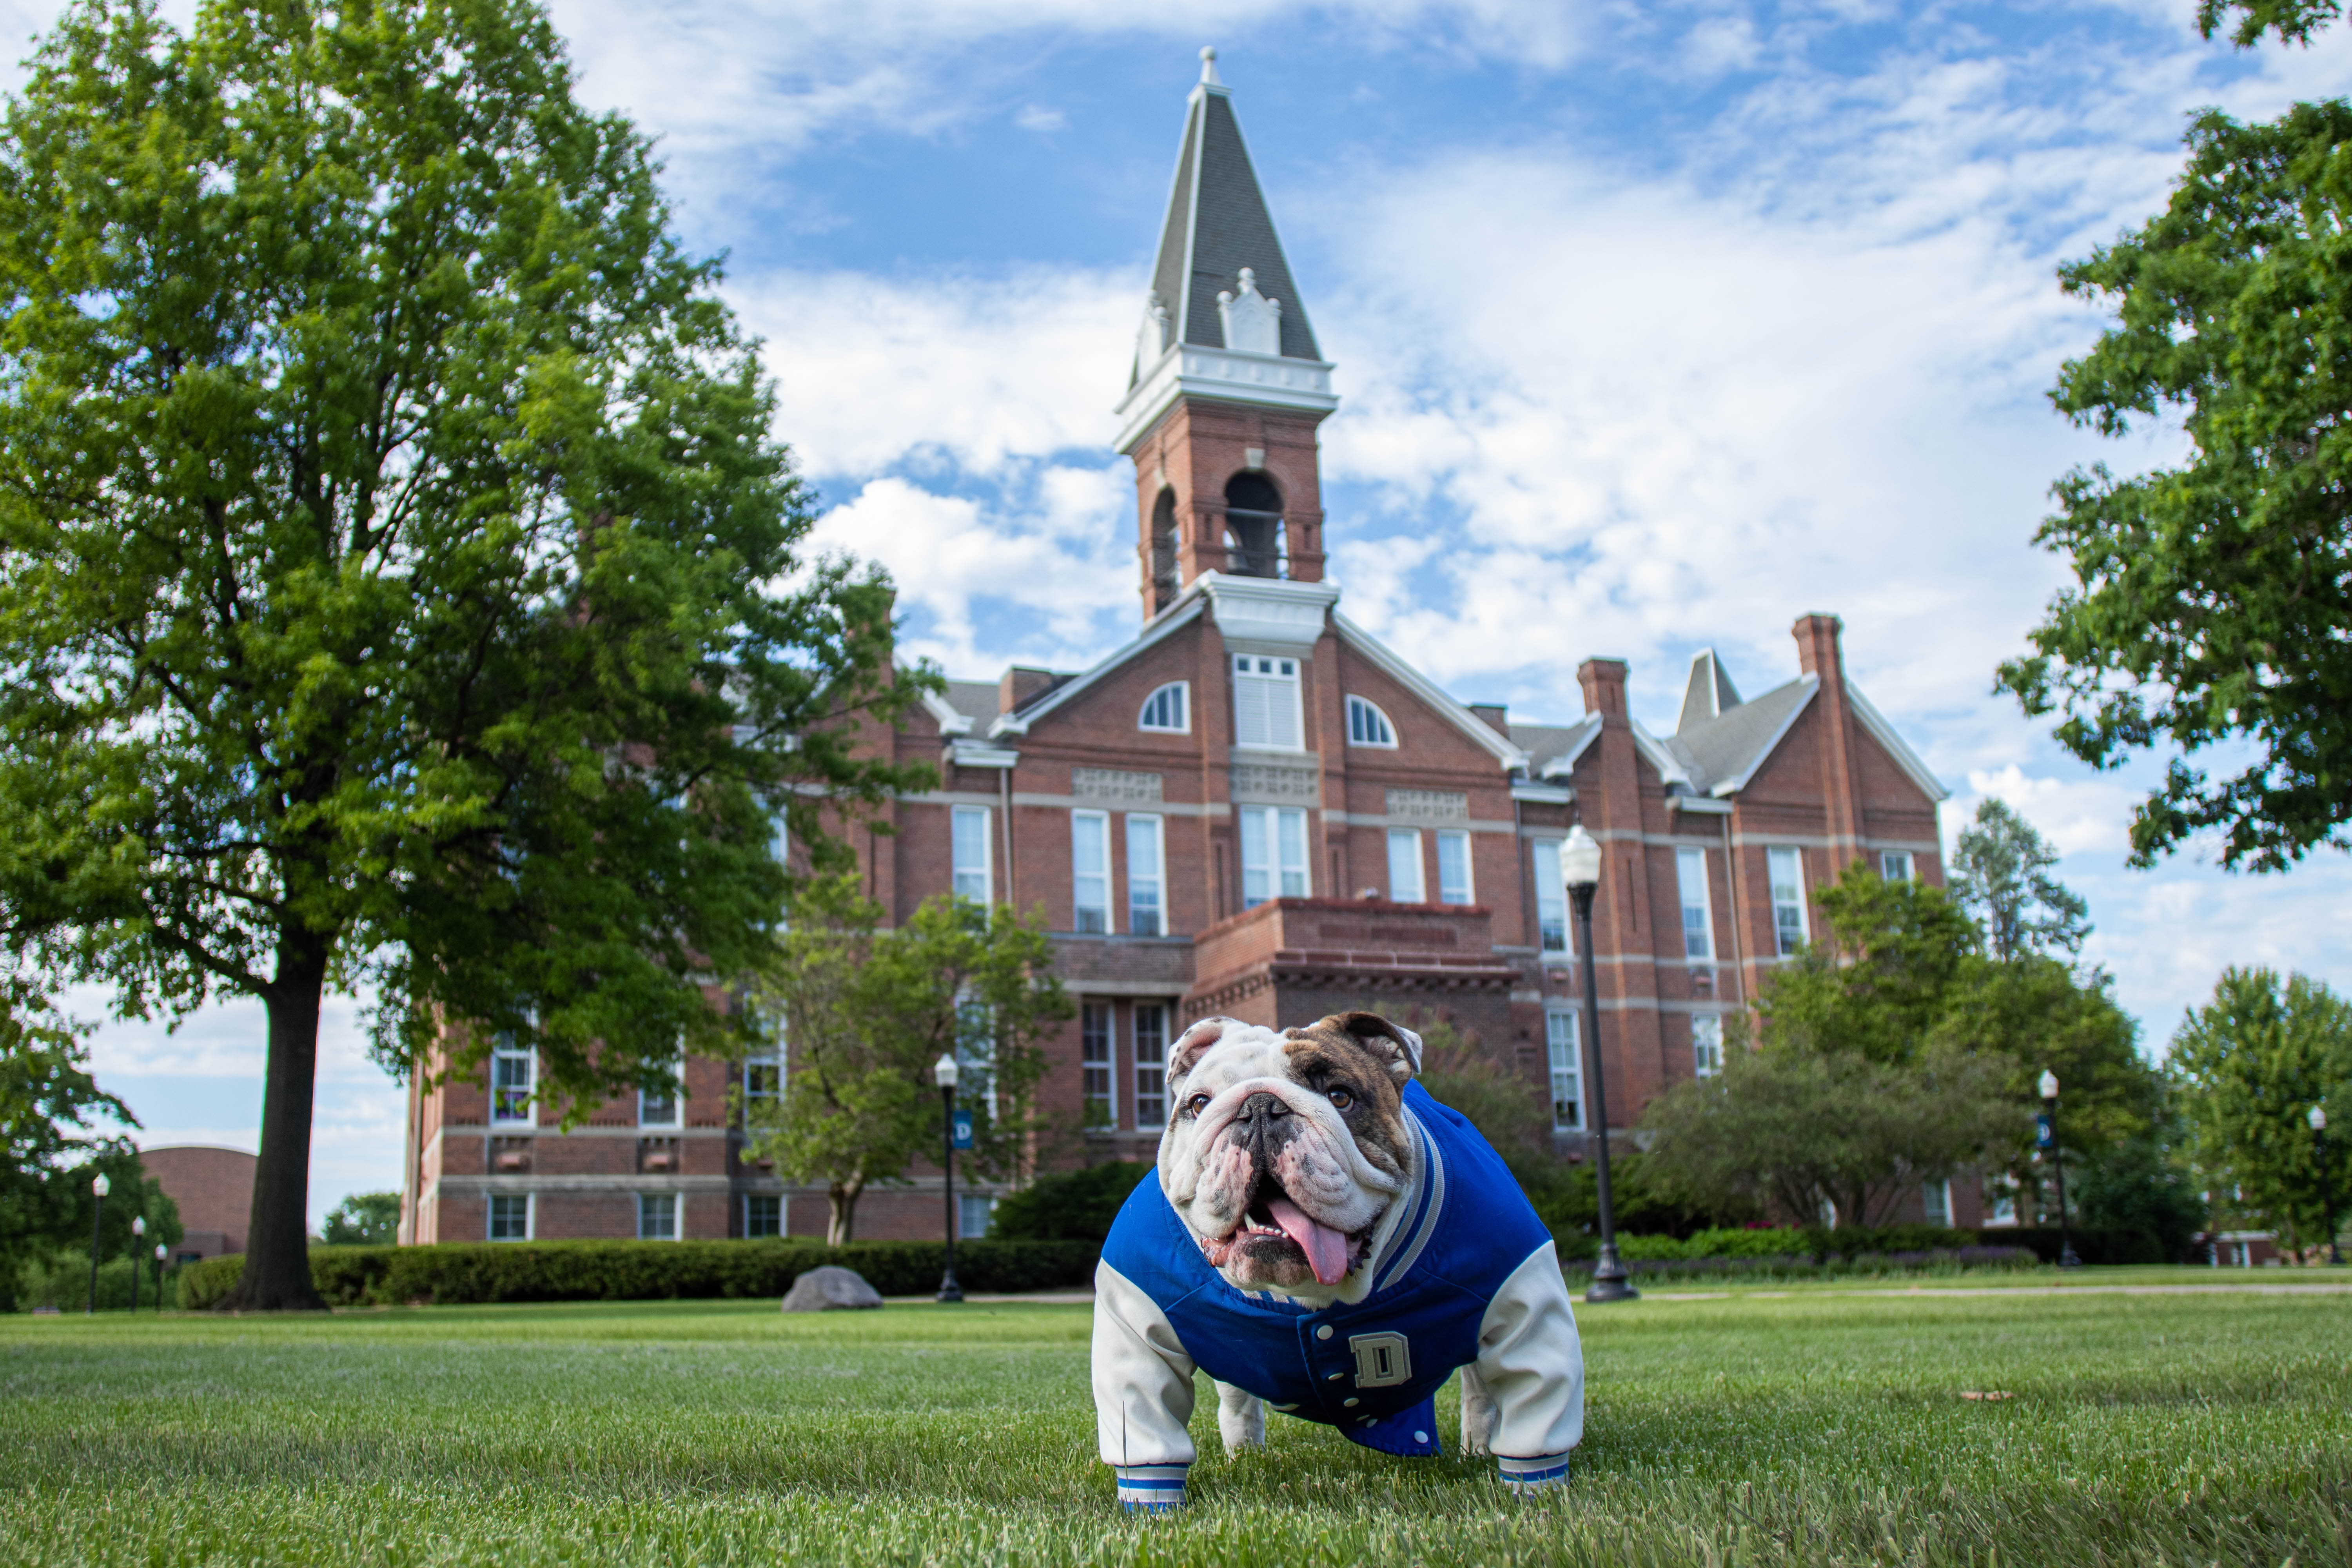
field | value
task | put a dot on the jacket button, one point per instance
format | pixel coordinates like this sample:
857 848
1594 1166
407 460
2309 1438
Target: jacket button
1351 1404
1324 1332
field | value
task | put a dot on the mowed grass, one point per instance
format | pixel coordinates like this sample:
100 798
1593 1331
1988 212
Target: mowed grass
1798 1425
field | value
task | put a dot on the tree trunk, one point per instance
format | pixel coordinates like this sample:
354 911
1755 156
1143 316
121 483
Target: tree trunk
841 1222
276 1276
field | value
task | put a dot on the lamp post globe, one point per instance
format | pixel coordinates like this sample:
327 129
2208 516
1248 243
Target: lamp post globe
160 1250
2049 1088
138 1230
2318 1117
97 1185
944 1073
1580 874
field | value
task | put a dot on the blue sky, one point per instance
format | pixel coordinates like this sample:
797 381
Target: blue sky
1656 326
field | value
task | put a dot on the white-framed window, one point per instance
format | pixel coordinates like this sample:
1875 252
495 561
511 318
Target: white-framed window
763 1214
509 1217
1273 853
1404 866
1167 710
975 1053
656 1216
1567 1069
1698 914
1367 726
1096 1068
1266 701
1936 1202
1147 888
1151 1065
971 851
1707 1044
1454 867
513 1080
1089 871
973 1211
663 1106
1786 870
1551 897
1894 865
764 1079
2000 1202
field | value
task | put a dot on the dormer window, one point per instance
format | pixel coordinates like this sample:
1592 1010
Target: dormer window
1367 726
1169 709
1266 701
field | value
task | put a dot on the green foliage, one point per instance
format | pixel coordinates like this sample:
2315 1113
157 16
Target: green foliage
363 1219
1877 975
2211 610
1458 1073
2035 1014
465 1273
867 1013
2294 20
399 585
61 1280
2139 1186
2000 874
2251 1064
1069 1205
1566 1196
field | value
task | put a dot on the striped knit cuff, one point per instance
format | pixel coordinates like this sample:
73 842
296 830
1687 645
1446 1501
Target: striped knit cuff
1150 1489
1531 1475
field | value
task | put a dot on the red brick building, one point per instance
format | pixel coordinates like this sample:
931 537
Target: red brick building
1256 808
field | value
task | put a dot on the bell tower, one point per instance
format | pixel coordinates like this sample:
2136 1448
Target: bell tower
1227 386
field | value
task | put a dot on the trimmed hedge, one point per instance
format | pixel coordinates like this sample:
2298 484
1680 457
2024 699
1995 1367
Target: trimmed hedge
1864 1264
2090 1246
466 1273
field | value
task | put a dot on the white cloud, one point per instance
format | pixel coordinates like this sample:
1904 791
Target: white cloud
1038 118
2081 815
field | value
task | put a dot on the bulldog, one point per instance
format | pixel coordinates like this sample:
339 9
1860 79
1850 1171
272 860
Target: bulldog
1325 1239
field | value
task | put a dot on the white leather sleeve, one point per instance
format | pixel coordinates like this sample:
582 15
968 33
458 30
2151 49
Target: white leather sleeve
1143 1379
1530 1361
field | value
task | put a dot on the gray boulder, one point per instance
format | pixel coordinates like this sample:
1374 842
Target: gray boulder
831 1289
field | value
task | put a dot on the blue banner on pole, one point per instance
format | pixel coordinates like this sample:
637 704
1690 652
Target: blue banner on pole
963 1129
2043 1137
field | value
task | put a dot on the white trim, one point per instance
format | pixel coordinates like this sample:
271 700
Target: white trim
987 850
1469 870
1381 722
953 721
1669 771
1418 862
1268 615
1883 733
1222 376
1563 764
1543 795
970 755
1510 756
530 1118
676 1101
1187 609
1158 829
1699 805
677 1216
530 1216
1812 683
1109 1063
1184 690
1101 821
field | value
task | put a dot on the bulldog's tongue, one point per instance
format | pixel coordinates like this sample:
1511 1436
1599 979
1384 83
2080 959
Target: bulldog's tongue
1326 1249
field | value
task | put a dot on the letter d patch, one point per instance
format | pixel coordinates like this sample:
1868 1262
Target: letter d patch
1382 1360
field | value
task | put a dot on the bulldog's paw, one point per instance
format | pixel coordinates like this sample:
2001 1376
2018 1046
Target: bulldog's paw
1241 1419
1151 1489
1527 1477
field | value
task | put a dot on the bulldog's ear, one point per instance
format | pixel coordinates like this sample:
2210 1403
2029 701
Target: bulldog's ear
1191 1043
1392 1043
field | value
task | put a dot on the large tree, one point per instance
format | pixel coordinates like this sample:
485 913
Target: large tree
2211 615
2251 1064
866 1013
399 587
2002 875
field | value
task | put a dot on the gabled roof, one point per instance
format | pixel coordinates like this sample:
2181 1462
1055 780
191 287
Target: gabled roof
1552 749
1183 614
1708 694
1897 747
1217 224
1504 747
1723 754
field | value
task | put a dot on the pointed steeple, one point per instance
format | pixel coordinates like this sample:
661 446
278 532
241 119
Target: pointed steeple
1227 385
1218 246
1709 694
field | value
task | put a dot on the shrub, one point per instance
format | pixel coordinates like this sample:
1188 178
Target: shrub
464 1273
2092 1246
1068 1206
62 1281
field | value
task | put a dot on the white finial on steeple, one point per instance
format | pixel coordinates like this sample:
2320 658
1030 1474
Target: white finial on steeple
1209 66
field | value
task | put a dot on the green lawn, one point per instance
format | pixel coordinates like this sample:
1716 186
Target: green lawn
1814 1424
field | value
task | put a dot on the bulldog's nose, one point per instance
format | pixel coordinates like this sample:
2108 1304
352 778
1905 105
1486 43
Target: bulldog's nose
1263 1107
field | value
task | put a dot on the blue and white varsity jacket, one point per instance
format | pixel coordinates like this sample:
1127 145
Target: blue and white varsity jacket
1464 1277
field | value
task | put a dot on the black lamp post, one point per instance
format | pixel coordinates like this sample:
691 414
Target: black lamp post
159 1277
944 1073
138 1230
2049 1086
1580 868
2319 1120
97 1214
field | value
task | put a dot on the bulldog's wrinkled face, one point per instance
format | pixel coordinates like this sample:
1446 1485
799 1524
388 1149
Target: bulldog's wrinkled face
1283 1151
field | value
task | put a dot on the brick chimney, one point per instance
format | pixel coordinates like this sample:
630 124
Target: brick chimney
1818 655
1603 681
1019 685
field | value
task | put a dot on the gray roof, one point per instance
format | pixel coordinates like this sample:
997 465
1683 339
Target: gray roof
1545 743
1217 224
976 701
1721 750
1708 694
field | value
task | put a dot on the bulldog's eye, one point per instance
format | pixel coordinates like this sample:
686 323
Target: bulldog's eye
1343 1098
1197 1104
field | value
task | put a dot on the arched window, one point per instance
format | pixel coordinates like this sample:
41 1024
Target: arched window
1163 552
1253 526
1367 726
1167 710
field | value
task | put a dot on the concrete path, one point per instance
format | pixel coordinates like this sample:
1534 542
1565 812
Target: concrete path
2250 1287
